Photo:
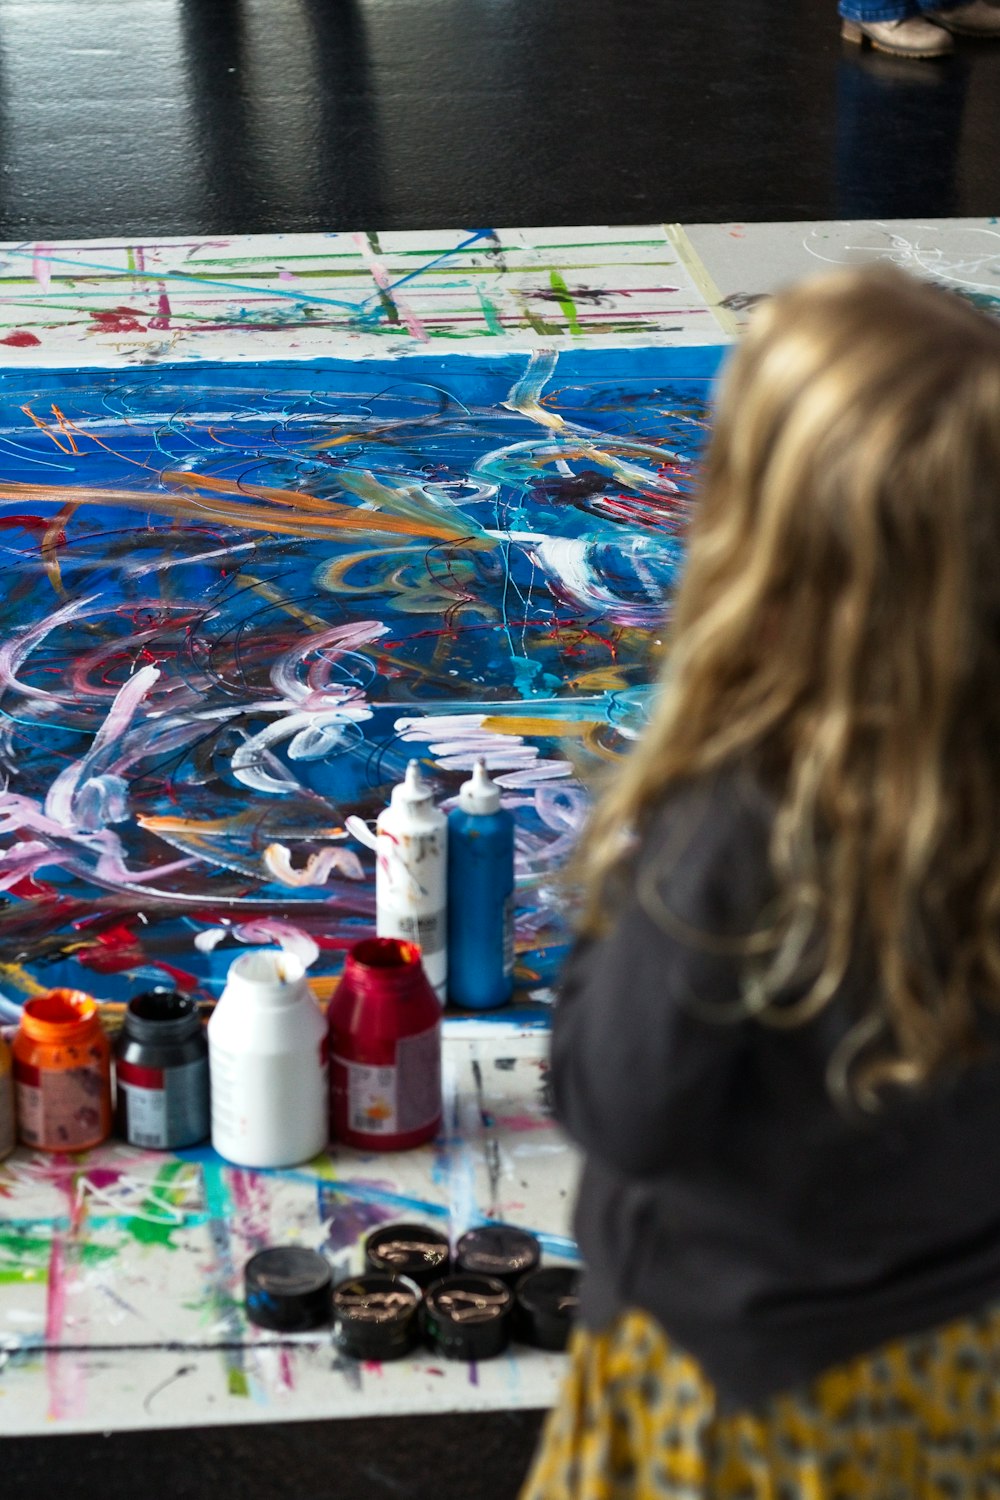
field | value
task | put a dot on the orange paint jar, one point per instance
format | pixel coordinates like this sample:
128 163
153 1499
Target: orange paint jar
7 1135
62 1073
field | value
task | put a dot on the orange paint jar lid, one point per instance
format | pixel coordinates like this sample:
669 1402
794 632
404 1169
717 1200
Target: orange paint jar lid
59 1017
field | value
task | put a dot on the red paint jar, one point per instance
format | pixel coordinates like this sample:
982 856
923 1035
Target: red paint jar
385 1045
62 1073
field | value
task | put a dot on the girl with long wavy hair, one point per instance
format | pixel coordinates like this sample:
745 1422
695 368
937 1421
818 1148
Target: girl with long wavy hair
777 1035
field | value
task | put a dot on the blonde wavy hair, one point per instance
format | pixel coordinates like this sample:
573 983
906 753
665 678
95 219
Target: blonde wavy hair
837 626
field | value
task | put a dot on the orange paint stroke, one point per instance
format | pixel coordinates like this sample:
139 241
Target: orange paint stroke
45 427
311 517
53 538
556 729
347 515
169 823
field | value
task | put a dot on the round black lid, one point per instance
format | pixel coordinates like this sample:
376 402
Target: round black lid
498 1250
288 1289
415 1250
375 1315
468 1317
547 1303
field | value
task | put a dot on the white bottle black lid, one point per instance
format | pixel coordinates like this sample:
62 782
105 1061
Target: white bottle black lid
498 1250
547 1304
288 1289
468 1317
375 1316
418 1251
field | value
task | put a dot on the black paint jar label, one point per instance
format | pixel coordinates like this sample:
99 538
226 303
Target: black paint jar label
165 1108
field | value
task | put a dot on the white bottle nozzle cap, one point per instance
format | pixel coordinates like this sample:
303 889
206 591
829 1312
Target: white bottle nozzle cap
480 794
413 787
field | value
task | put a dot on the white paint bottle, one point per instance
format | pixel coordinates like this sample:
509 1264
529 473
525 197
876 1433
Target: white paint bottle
411 874
267 1055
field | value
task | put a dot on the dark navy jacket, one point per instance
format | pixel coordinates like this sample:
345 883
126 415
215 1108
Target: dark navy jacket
771 1230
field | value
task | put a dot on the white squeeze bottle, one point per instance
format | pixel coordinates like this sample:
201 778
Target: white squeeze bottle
267 1058
411 874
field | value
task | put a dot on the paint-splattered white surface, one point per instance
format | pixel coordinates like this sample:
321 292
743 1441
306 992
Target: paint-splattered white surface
354 295
748 261
345 296
121 1271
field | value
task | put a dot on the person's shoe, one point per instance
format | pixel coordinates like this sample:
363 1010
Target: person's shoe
911 37
977 18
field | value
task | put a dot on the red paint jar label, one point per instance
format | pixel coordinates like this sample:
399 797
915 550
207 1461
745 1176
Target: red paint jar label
60 1109
395 1100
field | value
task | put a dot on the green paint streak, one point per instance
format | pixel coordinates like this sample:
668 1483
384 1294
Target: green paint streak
566 302
549 330
130 257
154 1226
238 1383
490 313
25 1257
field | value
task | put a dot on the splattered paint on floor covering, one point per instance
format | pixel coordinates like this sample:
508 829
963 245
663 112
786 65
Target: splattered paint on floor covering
121 1270
238 593
241 585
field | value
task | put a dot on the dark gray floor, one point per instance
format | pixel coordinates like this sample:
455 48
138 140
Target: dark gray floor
392 1458
217 116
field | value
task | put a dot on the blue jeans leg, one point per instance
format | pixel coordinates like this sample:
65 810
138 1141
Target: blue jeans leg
891 10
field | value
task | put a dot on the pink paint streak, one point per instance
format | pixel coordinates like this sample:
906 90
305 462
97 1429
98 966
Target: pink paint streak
63 1373
382 279
40 268
285 1370
162 318
524 1122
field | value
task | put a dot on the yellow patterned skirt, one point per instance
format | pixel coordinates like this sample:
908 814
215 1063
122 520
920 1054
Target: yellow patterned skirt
637 1420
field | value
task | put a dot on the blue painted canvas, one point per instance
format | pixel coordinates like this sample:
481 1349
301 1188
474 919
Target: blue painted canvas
236 599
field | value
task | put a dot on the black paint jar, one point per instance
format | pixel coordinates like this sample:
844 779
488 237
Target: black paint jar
414 1250
287 1289
375 1316
161 1063
498 1250
468 1317
547 1302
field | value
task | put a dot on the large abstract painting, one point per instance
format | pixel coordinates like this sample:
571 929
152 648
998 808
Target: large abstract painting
236 599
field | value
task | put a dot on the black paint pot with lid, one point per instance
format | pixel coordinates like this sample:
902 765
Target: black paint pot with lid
547 1302
414 1250
375 1316
468 1317
498 1250
288 1289
161 1061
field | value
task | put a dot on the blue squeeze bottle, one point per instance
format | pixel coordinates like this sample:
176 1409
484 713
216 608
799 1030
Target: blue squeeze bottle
480 896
